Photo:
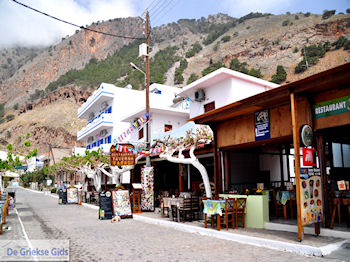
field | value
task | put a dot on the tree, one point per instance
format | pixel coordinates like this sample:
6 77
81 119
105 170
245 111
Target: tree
280 76
327 14
193 77
348 10
202 135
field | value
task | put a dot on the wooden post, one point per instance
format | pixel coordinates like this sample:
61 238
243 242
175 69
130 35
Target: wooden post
217 176
296 143
227 170
181 189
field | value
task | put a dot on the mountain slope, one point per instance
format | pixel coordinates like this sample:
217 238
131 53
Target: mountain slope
63 76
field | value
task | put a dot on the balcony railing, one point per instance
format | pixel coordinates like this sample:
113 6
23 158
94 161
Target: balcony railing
102 120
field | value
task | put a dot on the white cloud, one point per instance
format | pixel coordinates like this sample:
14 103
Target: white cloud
24 27
239 8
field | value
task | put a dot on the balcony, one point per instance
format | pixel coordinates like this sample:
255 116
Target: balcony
103 95
93 128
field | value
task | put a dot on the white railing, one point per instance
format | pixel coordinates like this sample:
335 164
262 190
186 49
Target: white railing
94 124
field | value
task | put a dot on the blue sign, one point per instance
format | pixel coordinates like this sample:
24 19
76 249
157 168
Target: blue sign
21 167
262 125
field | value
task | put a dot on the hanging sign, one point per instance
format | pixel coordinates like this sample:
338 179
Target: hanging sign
332 107
306 135
308 156
122 158
262 125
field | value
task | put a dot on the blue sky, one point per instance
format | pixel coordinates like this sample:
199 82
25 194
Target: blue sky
23 27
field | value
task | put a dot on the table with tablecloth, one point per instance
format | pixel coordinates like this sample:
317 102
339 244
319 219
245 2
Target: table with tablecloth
214 207
173 201
283 197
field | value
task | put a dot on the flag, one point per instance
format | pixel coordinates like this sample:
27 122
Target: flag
131 128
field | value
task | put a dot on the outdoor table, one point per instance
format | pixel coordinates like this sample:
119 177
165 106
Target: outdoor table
283 197
214 207
170 201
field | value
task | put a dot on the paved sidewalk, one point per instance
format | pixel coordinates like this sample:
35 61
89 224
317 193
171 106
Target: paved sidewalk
45 219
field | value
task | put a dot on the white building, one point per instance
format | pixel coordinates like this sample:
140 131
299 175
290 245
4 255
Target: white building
220 88
110 110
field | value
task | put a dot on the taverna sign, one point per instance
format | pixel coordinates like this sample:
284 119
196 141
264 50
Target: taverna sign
332 107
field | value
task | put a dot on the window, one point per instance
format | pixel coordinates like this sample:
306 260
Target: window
109 139
168 128
110 109
210 106
106 140
341 155
101 141
141 133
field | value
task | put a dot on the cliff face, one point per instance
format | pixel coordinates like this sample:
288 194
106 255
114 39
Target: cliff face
72 53
261 42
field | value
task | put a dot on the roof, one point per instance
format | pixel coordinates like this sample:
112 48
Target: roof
221 75
335 77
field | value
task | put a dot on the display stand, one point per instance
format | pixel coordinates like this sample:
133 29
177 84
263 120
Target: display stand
136 198
121 203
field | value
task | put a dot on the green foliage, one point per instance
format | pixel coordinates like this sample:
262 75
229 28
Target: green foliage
236 65
341 41
10 117
217 30
216 46
2 110
348 10
255 72
8 134
307 14
212 68
311 56
285 22
2 120
178 79
193 77
295 50
251 16
37 94
196 48
53 190
15 107
280 76
327 14
226 38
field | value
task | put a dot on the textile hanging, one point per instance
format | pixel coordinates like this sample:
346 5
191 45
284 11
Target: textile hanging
147 183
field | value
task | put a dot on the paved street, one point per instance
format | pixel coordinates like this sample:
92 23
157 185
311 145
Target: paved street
92 239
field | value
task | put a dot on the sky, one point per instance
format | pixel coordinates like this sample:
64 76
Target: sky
20 26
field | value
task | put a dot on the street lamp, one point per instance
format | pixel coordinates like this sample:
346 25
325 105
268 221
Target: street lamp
148 158
138 69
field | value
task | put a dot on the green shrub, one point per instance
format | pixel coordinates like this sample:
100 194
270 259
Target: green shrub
327 14
285 22
53 190
2 110
295 50
280 76
255 72
252 15
348 10
226 38
340 42
217 30
238 66
212 68
196 48
10 117
15 107
307 14
193 77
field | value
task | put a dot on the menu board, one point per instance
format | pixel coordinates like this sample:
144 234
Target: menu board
121 203
106 206
147 183
72 195
311 199
62 196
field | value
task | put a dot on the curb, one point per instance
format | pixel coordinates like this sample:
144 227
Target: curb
305 250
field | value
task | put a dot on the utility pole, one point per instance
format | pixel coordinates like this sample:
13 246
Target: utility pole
148 159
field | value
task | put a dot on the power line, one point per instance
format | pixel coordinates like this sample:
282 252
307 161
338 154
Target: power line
160 9
158 19
81 27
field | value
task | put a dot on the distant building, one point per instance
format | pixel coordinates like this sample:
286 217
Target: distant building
220 88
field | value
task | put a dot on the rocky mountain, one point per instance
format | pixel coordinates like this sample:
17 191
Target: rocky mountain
42 88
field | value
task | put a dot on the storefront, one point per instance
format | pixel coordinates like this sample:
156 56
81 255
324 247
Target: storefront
255 137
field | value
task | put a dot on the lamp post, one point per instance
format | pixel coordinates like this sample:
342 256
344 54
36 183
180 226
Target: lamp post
138 69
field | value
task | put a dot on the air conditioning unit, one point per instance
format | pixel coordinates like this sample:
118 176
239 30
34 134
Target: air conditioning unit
199 95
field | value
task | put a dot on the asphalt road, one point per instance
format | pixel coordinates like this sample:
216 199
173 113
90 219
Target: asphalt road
92 239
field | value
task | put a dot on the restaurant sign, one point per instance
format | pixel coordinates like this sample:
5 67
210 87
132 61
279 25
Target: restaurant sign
332 107
122 158
262 125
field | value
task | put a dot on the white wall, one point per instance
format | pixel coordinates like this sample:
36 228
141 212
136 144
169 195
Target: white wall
224 93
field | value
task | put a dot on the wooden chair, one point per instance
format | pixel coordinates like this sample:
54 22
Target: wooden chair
186 210
164 208
279 208
229 211
240 210
195 207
